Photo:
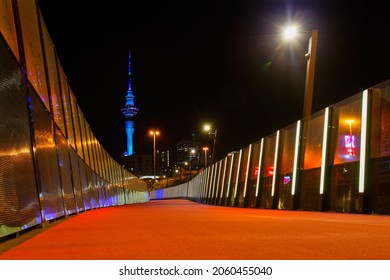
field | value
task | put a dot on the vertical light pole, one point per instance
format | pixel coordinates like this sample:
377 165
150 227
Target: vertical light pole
205 149
213 135
198 161
311 55
192 152
154 133
182 169
169 174
310 69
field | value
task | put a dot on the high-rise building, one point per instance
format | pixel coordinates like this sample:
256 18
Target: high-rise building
187 152
163 163
142 164
139 165
129 111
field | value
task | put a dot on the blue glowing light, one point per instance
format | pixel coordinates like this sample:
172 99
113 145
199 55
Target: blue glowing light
129 111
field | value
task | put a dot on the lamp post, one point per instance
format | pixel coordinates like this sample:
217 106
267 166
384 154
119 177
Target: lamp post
182 169
178 173
310 68
205 149
213 135
198 161
311 55
169 174
192 152
154 133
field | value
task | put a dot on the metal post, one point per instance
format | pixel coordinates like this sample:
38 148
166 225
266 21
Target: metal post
215 140
310 69
154 156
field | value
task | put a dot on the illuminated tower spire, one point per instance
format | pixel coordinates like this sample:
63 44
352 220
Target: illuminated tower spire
129 111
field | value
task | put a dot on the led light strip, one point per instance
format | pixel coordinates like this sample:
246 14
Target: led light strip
211 182
324 150
275 163
230 175
219 164
247 169
363 141
295 165
223 176
259 168
204 183
238 174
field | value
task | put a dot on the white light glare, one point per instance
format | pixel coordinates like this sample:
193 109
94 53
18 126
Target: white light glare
363 141
290 32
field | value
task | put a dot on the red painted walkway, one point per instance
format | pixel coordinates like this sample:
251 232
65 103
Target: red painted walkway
185 230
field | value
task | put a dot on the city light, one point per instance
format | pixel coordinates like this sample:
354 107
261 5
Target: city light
212 134
154 133
205 149
290 32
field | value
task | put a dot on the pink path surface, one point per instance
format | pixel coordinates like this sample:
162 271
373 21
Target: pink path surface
185 230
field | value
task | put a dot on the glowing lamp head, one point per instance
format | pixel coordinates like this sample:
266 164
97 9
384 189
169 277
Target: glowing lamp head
207 127
154 132
290 32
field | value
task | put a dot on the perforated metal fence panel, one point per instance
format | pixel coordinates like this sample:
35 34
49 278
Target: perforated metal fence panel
46 161
19 207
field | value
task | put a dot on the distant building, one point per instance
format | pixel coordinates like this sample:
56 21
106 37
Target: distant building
163 163
139 165
187 154
142 165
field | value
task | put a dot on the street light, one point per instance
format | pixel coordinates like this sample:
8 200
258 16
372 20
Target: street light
191 159
198 161
154 133
205 149
213 135
289 33
182 168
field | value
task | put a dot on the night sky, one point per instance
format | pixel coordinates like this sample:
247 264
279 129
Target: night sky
212 61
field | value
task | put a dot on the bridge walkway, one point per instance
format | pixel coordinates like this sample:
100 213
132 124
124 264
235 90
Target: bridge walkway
179 229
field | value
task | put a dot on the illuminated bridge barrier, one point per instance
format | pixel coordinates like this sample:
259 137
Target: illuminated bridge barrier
339 160
51 164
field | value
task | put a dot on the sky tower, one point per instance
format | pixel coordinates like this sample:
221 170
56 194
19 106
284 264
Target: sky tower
129 111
